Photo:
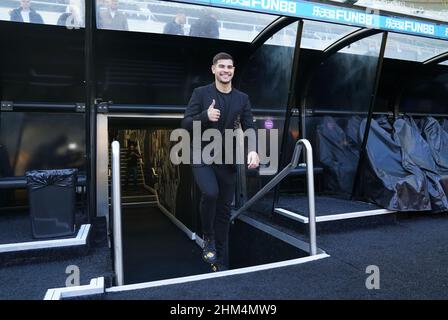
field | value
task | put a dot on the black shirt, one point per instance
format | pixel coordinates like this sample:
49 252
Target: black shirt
133 157
223 104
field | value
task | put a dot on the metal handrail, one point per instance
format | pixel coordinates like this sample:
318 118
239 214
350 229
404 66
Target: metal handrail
140 162
116 209
280 176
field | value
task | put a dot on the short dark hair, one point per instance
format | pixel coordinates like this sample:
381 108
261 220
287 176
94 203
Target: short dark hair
222 56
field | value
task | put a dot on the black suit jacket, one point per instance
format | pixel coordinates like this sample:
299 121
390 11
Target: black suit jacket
118 22
16 15
239 112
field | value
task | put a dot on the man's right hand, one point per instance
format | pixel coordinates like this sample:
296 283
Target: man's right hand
213 114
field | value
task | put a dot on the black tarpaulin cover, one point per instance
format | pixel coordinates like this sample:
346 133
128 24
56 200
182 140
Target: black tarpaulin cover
41 178
437 139
388 180
338 155
415 148
445 124
384 122
352 131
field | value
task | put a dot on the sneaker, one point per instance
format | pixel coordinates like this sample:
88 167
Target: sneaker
209 251
216 267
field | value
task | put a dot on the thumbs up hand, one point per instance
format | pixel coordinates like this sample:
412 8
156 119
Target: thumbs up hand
213 114
253 160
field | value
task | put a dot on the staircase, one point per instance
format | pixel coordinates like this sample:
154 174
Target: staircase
139 195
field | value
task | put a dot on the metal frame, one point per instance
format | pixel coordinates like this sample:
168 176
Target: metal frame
349 39
190 234
437 59
12 106
271 29
418 114
330 50
335 47
113 109
283 174
102 151
362 151
414 76
344 112
116 208
135 108
140 163
90 92
146 116
285 237
102 166
291 104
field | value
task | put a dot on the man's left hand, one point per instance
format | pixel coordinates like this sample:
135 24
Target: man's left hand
253 160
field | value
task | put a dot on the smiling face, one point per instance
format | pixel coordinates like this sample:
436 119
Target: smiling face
223 70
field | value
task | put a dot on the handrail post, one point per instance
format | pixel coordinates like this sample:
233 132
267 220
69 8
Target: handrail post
116 209
311 200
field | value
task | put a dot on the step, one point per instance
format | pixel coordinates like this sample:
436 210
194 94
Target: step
131 181
333 214
123 177
331 217
131 197
140 204
138 199
46 250
139 177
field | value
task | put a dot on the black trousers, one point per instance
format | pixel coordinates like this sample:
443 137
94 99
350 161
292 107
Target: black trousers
217 185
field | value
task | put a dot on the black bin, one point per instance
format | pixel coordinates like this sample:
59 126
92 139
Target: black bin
52 199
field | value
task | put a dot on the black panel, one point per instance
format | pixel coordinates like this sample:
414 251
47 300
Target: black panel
39 141
267 77
343 82
41 63
394 73
140 68
428 93
415 87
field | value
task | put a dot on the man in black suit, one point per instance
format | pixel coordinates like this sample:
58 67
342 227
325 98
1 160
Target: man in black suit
111 18
219 106
206 26
25 13
176 26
